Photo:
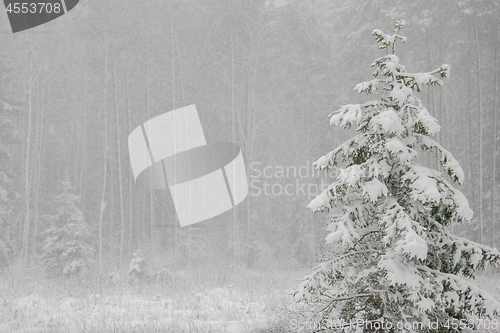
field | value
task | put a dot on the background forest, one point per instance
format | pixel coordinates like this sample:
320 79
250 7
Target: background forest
264 75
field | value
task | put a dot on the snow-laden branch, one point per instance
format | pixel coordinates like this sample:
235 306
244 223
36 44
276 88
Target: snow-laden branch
351 114
387 40
470 294
328 161
465 242
447 161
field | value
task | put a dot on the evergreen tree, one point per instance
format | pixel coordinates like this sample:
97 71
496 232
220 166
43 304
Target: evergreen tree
392 257
67 248
137 267
7 194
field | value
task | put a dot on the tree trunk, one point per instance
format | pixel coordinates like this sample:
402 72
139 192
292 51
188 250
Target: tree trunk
480 115
27 190
120 185
131 177
103 195
172 68
494 148
151 197
84 137
235 237
431 97
39 154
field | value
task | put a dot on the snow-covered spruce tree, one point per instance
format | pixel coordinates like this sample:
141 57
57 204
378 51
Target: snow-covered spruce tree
137 267
67 248
393 258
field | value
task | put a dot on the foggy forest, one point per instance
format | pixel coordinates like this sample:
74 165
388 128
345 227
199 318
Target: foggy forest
321 240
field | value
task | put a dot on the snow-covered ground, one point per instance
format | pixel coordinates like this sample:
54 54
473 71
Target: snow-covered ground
195 301
205 300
